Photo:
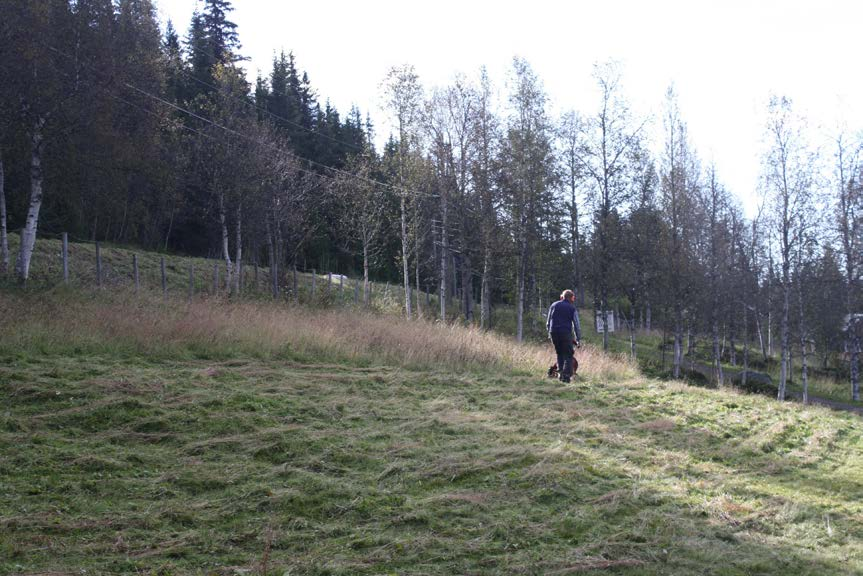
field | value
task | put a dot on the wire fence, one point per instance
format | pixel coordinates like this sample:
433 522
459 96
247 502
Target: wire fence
61 259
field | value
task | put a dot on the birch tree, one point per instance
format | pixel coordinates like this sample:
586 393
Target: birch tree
788 166
715 205
487 140
451 126
45 80
679 175
363 204
848 180
612 144
403 94
570 134
528 173
4 241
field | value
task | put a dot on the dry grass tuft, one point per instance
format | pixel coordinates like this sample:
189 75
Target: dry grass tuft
661 425
221 328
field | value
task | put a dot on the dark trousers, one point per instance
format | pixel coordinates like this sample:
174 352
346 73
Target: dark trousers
563 347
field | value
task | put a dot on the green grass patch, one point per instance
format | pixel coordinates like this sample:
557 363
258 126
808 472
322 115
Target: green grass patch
122 459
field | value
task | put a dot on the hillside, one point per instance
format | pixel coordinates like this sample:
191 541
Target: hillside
231 438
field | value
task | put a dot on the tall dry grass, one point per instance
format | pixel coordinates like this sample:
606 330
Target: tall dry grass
224 329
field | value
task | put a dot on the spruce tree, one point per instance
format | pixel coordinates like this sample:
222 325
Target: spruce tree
222 37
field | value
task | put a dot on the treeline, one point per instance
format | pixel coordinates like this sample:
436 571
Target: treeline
113 130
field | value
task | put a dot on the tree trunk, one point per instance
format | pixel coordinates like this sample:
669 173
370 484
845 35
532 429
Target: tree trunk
745 344
274 266
604 324
485 294
238 251
520 280
717 359
365 273
444 254
4 242
28 234
678 340
731 344
783 368
760 335
405 248
855 362
803 354
170 220
226 254
417 274
467 289
573 215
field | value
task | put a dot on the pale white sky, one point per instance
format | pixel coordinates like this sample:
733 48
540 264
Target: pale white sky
724 57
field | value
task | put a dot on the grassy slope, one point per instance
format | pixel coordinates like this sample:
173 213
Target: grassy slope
117 266
151 437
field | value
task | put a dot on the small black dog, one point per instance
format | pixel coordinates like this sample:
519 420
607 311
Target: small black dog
553 370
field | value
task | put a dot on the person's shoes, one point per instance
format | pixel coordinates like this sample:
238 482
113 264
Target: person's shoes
564 379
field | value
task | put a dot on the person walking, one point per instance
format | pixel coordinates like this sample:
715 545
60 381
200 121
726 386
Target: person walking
562 320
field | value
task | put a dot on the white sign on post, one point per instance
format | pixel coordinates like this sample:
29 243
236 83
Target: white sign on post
600 324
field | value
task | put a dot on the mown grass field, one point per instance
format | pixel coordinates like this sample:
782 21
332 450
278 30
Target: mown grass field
141 436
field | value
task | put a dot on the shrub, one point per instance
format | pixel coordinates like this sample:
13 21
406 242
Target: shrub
756 383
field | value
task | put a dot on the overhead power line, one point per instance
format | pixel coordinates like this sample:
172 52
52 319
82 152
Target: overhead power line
233 132
270 113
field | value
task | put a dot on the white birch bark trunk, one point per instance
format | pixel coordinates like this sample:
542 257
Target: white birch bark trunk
855 364
417 274
28 235
226 253
405 249
444 253
4 241
745 342
783 368
678 341
485 295
520 282
238 251
365 273
717 358
271 252
467 289
803 353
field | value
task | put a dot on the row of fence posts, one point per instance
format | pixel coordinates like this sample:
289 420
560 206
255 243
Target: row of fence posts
191 289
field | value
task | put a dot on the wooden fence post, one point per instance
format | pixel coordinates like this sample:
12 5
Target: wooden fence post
257 286
314 282
164 278
356 292
215 279
135 272
98 265
329 280
191 281
65 257
296 286
341 287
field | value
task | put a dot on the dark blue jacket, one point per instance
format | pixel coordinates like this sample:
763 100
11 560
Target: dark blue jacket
562 317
